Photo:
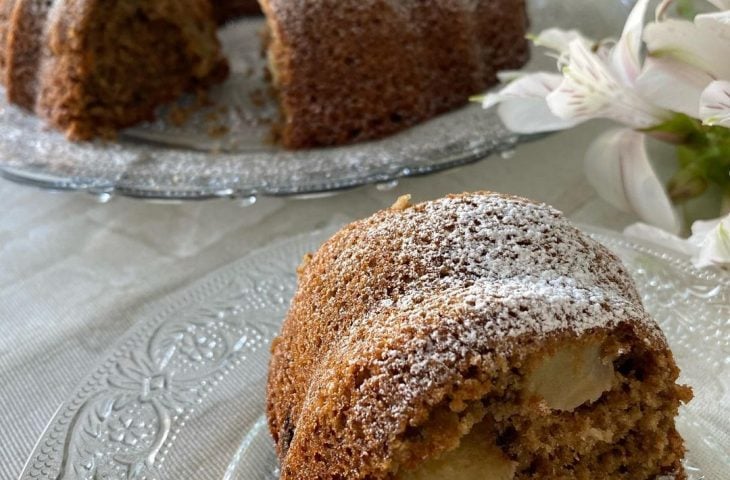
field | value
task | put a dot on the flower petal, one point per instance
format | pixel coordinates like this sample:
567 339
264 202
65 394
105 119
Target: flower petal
537 85
661 10
531 115
689 43
618 167
522 105
590 90
507 76
673 85
715 104
661 237
712 238
626 56
721 4
558 39
703 228
716 22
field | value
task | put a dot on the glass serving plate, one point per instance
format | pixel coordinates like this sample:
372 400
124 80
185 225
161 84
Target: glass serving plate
223 149
182 395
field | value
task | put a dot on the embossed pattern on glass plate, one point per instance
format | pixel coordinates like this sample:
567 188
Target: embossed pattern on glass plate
182 395
199 159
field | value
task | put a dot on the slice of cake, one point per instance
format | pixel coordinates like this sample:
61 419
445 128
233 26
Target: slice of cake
347 71
476 337
91 68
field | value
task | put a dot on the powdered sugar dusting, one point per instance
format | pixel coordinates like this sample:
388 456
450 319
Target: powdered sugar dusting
480 278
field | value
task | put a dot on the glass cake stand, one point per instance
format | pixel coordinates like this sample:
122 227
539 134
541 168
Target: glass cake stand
182 395
223 149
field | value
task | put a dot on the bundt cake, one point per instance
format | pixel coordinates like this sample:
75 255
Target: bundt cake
344 70
347 71
90 68
479 336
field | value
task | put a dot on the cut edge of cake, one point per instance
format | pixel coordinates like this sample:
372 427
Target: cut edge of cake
90 69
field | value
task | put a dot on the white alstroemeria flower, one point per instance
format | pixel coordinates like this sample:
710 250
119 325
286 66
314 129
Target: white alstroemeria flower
703 43
626 56
673 84
712 241
715 104
593 88
684 59
522 105
602 84
618 167
558 40
597 81
708 246
656 235
662 9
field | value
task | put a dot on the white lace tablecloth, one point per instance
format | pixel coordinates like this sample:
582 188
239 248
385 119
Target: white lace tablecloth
75 272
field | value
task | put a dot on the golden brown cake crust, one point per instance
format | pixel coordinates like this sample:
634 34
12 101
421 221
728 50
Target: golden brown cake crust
349 71
406 309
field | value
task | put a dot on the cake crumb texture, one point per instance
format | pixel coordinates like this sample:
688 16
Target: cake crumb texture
90 68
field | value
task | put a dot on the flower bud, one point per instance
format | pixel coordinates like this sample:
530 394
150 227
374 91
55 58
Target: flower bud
686 184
